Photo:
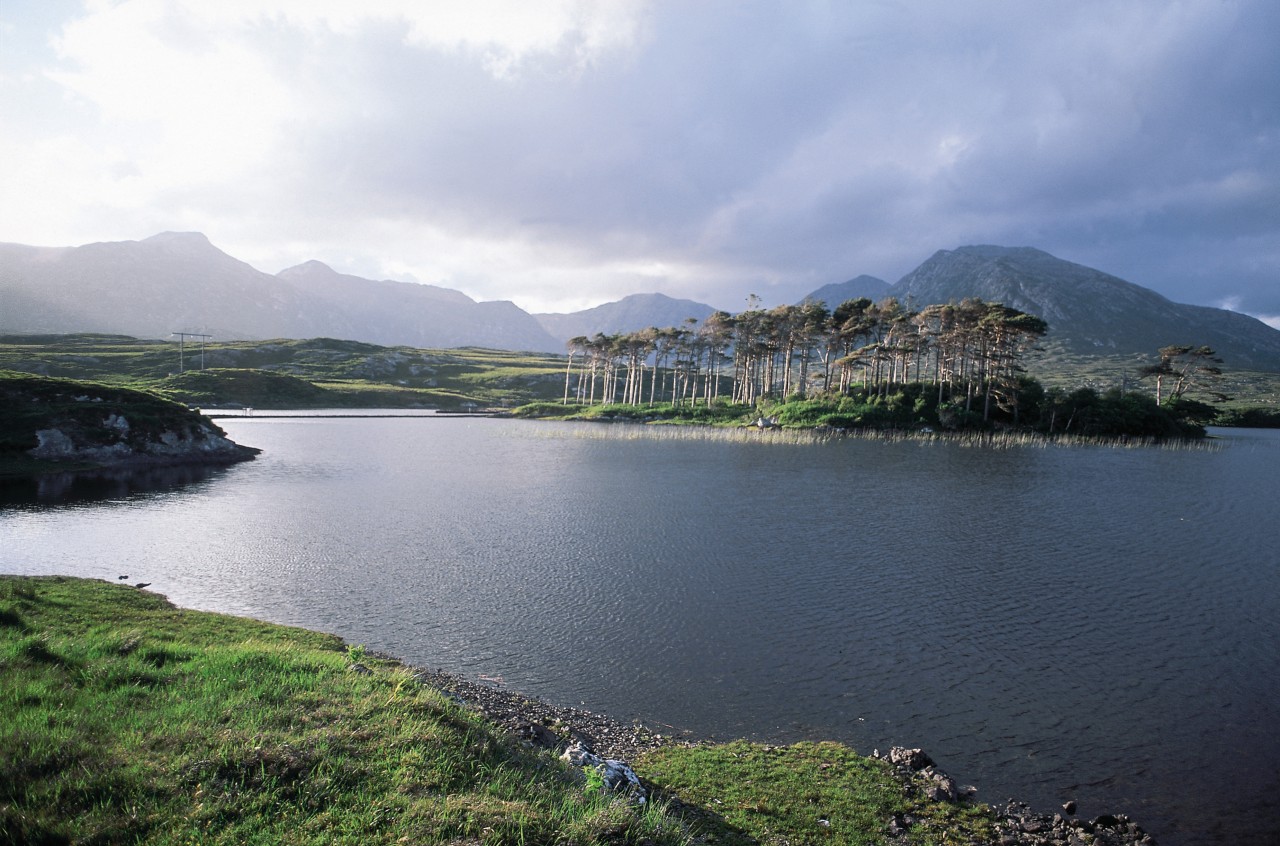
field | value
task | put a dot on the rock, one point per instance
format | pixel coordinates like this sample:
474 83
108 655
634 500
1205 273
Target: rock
84 423
1069 807
617 775
915 759
537 734
52 444
941 787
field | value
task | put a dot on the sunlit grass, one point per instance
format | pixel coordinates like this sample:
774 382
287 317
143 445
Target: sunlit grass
809 793
125 720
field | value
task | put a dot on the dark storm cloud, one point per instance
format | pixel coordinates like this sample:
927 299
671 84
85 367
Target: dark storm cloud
725 146
806 144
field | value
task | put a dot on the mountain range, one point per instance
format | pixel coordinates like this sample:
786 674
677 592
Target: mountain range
180 282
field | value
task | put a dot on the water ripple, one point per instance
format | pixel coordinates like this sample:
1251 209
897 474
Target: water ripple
1088 624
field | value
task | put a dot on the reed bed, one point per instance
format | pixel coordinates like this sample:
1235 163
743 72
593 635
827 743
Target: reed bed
636 431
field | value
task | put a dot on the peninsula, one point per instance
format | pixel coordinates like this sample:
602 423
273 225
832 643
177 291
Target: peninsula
52 424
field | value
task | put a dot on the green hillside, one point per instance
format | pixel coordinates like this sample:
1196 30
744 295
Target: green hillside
329 373
313 373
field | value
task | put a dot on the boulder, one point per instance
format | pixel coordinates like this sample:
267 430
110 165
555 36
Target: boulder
913 759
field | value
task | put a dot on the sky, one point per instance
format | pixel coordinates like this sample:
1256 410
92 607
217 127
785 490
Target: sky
565 153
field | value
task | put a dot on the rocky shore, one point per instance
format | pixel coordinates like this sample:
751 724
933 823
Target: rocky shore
573 731
52 424
194 443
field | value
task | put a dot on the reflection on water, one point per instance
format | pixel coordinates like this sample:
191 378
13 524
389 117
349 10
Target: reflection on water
88 486
1093 624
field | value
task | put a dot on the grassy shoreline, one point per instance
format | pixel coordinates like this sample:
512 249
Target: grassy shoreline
126 719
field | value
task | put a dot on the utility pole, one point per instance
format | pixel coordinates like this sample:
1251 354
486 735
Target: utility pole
182 338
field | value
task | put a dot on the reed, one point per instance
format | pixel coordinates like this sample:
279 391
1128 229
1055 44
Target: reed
1000 440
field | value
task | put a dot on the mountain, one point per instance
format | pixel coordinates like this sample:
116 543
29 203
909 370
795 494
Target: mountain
167 283
1089 312
179 281
860 286
409 314
629 314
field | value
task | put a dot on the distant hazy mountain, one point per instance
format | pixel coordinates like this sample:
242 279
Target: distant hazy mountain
1088 311
167 283
407 313
860 286
629 314
178 281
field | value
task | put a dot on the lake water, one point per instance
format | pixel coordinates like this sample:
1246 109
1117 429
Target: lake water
1095 624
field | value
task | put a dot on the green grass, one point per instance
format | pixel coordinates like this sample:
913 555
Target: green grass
1247 389
126 720
312 373
809 793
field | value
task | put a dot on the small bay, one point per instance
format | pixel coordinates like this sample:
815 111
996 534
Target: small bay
1090 623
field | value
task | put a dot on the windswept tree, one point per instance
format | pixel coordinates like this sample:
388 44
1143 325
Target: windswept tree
717 334
577 346
1185 368
1007 335
970 350
852 323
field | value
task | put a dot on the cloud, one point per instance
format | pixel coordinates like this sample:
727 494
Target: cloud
1272 320
569 152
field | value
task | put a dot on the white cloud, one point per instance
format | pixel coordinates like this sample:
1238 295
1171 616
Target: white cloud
1233 304
566 151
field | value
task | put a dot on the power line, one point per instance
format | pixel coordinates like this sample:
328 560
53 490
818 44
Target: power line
182 338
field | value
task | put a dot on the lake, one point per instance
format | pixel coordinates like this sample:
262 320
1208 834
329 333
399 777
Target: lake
1087 623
